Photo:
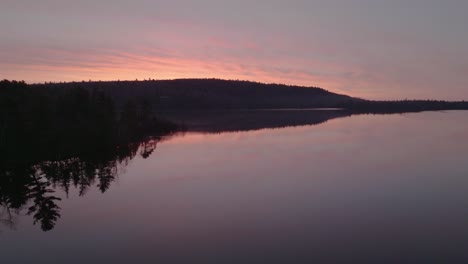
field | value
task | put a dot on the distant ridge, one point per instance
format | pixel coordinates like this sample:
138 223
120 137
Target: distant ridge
181 94
217 94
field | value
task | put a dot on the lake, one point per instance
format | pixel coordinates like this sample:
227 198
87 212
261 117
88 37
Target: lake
347 189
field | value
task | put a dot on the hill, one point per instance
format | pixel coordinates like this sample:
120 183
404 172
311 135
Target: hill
183 94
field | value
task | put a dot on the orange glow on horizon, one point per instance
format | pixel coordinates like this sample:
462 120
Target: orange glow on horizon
69 66
55 65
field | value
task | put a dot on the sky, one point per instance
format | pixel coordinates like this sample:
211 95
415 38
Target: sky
373 49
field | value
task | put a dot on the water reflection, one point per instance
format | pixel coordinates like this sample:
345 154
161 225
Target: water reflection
366 189
32 187
218 121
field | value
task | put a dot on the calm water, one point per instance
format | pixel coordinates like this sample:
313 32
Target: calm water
390 188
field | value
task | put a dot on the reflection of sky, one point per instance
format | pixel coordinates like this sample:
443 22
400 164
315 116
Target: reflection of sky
380 185
367 48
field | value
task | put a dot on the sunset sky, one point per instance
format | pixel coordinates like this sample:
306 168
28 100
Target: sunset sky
368 48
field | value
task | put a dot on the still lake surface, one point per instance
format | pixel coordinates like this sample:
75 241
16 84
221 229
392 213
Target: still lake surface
366 188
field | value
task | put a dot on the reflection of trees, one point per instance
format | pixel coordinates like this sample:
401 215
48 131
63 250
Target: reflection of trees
43 208
7 217
147 148
32 187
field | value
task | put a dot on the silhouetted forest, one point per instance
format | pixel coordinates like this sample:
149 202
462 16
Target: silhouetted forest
56 138
214 94
44 118
210 94
61 123
403 106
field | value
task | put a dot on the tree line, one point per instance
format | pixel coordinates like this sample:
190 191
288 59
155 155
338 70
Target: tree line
402 106
60 123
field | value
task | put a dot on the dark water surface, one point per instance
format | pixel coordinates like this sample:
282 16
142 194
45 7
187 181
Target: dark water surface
380 189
